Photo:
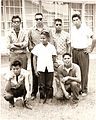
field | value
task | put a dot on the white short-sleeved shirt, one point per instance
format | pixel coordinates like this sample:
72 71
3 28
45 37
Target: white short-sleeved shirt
44 56
80 38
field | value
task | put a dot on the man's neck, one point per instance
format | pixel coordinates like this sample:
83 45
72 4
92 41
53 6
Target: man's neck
67 66
45 44
78 26
39 26
17 30
58 31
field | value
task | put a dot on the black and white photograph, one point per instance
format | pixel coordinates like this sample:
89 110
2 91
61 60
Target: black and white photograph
47 59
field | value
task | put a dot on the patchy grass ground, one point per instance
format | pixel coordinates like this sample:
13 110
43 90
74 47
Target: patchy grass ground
57 110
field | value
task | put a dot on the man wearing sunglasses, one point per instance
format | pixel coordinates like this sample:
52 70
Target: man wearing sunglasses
61 39
61 42
34 39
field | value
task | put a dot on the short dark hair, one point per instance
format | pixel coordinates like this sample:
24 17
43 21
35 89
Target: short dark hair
15 17
16 63
66 54
39 14
58 19
76 15
45 33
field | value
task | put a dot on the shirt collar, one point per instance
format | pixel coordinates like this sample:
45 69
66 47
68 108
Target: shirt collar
36 28
43 45
64 68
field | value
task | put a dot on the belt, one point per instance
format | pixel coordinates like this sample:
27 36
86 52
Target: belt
79 49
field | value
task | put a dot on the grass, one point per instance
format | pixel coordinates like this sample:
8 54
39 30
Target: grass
57 110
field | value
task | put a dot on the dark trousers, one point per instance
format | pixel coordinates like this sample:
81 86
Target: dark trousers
72 87
11 93
82 59
35 79
45 84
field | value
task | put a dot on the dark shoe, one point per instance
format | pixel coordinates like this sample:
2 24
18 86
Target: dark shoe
75 101
33 97
27 105
11 105
49 101
41 101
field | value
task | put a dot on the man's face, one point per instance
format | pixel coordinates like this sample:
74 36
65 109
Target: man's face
67 60
16 23
76 22
58 25
39 19
44 39
16 69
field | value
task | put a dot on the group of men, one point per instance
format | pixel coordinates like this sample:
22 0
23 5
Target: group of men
70 67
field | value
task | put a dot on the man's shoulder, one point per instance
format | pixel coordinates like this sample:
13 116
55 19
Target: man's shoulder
51 46
38 46
46 28
32 29
64 32
75 65
24 72
60 68
22 30
10 31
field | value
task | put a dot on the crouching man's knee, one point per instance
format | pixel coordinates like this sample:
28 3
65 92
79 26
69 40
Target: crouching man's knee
74 84
59 94
8 96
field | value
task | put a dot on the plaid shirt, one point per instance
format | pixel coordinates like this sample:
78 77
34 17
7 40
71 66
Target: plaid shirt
61 41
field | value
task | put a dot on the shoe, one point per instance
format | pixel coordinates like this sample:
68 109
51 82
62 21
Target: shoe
41 101
17 99
75 101
67 96
33 97
27 105
49 101
11 105
84 94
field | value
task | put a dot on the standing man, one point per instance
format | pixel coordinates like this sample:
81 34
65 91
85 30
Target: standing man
17 43
69 75
34 39
81 42
61 40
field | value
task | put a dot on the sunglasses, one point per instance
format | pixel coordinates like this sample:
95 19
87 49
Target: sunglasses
58 24
38 19
75 19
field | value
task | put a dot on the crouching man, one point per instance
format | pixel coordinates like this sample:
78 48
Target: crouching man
69 78
17 85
